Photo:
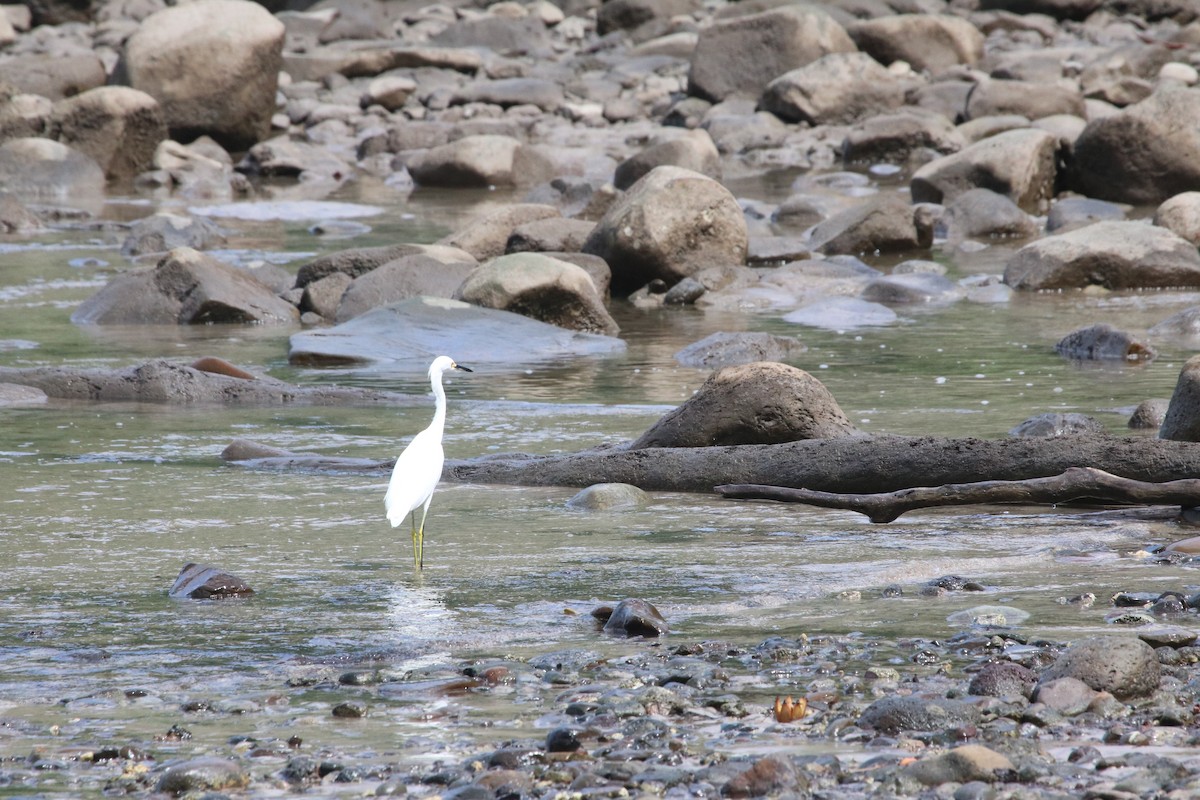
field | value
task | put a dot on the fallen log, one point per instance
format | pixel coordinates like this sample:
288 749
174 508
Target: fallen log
857 464
1076 484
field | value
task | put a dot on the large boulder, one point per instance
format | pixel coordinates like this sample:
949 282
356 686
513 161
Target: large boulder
764 402
118 127
1115 255
1143 154
407 332
933 42
413 275
885 223
1124 666
213 66
185 288
42 169
741 56
542 288
669 224
1182 420
835 89
1018 163
480 161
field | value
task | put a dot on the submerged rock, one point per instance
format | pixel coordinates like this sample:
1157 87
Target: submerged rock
632 617
1103 342
1058 424
727 349
204 582
203 774
608 497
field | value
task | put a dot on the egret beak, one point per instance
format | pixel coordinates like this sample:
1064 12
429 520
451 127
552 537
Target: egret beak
462 368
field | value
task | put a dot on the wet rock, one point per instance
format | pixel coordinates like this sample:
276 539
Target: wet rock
185 288
1019 164
480 161
509 92
1182 420
1181 215
1149 414
284 157
1103 342
117 127
1175 636
904 289
609 497
632 617
670 224
488 236
504 35
324 297
963 764
885 223
542 288
932 42
1059 424
897 136
841 313
222 74
14 394
15 217
1115 255
981 213
725 349
361 260
410 276
740 56
1028 99
738 134
549 235
204 582
837 88
1003 679
989 617
562 740
406 332
1167 127
164 231
955 583
41 169
1077 212
1122 666
767 777
202 170
891 715
350 709
202 774
693 150
1068 696
760 403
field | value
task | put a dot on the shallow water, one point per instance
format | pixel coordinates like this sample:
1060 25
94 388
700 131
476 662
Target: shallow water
102 505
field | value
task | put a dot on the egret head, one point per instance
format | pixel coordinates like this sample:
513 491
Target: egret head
442 364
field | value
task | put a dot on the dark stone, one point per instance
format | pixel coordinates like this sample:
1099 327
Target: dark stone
1103 342
1003 679
633 617
203 582
891 715
562 740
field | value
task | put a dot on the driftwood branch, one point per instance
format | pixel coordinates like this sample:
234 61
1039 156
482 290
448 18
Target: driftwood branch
1075 484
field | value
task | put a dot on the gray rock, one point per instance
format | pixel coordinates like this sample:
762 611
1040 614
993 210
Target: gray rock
185 288
741 133
763 402
670 224
480 161
1027 99
1166 128
892 715
41 169
1076 212
324 297
409 276
726 349
1180 214
285 157
1003 679
837 88
629 15
502 35
1019 164
740 56
984 213
488 236
1182 420
905 289
1068 696
117 127
897 136
1115 255
769 776
1058 9
1149 415
963 764
542 288
933 42
161 232
1103 342
1182 324
202 774
549 235
222 73
633 617
693 150
205 582
841 313
55 77
885 223
405 333
14 394
202 170
609 497
1123 666
1058 424
361 260
508 92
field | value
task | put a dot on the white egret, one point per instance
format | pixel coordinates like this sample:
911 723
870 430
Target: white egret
419 467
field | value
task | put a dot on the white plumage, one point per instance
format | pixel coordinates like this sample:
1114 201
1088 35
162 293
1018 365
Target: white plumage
419 467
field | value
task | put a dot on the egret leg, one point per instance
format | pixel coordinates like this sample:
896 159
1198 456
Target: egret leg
416 547
420 548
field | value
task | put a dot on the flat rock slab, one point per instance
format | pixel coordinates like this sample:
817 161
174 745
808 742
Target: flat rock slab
410 332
